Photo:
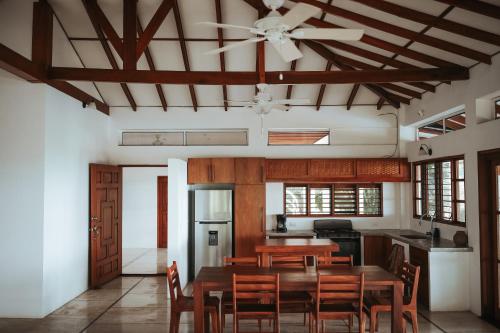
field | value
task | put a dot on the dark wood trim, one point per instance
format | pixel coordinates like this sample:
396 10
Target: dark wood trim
220 40
476 6
293 65
42 35
153 25
352 95
143 165
129 34
161 228
322 89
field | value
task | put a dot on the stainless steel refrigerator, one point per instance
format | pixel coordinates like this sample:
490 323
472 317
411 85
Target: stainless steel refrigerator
213 227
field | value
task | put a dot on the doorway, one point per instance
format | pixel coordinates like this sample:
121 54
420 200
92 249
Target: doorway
489 226
145 220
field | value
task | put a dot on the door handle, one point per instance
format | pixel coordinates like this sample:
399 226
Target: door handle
94 218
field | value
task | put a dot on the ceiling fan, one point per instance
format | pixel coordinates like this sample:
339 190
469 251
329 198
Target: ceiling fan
280 30
263 102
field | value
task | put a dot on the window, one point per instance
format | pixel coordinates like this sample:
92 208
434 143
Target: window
333 200
497 109
439 190
442 126
285 137
229 137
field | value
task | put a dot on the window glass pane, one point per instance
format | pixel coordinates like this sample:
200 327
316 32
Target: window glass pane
455 122
320 201
460 211
217 138
418 207
298 137
418 190
418 172
460 190
431 130
446 196
369 200
344 199
431 188
296 200
497 112
460 169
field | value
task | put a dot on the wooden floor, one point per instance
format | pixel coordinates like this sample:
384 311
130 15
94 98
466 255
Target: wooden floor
140 304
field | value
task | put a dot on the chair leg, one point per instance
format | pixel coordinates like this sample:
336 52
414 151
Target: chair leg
177 322
172 322
373 321
362 323
414 321
351 322
222 317
305 319
213 319
323 327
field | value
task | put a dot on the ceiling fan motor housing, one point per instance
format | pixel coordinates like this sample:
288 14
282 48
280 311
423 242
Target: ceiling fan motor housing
273 4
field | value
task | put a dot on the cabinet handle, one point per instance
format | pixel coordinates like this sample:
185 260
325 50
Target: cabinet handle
209 173
262 219
262 174
213 172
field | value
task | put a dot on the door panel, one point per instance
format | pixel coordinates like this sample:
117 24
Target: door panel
222 170
105 223
162 212
250 170
199 171
496 232
249 218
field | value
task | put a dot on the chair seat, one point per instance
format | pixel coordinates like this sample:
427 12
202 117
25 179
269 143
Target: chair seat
255 308
187 303
338 307
381 302
294 296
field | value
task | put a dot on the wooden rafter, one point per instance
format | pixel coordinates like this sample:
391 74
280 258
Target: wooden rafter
152 67
322 89
249 78
98 18
402 32
91 7
129 54
427 19
41 48
153 26
185 58
18 65
352 95
476 6
293 65
220 39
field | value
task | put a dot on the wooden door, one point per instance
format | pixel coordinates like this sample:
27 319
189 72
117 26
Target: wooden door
222 170
419 257
496 232
376 250
199 171
249 218
250 170
105 223
162 212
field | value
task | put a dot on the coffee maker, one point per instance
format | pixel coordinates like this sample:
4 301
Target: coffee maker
281 223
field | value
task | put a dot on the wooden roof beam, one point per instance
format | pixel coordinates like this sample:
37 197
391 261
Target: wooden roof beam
322 89
476 6
153 26
431 20
22 67
152 66
402 32
129 34
99 19
293 65
185 58
42 41
352 95
249 78
220 39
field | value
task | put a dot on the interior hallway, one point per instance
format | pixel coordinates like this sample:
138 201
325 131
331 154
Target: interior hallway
140 304
144 261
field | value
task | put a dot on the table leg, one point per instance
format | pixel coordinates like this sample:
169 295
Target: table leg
265 260
397 307
199 308
206 315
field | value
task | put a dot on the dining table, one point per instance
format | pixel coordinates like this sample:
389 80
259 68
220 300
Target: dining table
216 279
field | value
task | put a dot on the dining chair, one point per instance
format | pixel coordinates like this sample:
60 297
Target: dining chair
337 297
180 303
227 296
323 262
256 297
293 301
395 260
375 304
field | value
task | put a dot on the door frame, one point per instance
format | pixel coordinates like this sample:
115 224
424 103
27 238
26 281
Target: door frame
487 234
160 228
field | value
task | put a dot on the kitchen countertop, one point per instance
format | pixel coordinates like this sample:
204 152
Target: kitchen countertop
291 233
440 245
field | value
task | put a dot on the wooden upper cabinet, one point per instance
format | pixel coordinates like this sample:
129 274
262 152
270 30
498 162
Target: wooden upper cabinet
250 170
287 169
383 169
211 171
332 168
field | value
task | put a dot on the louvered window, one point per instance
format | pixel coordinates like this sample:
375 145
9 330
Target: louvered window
296 200
320 199
344 199
369 200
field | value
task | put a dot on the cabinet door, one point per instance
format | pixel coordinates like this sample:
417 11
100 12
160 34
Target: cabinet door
222 170
199 171
250 170
383 169
419 257
376 250
249 218
287 169
332 168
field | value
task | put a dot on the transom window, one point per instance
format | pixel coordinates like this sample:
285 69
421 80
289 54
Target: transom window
439 190
298 137
442 126
333 199
497 109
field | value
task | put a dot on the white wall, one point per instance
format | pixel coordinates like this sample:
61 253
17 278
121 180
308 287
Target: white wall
178 216
139 213
476 137
74 138
21 196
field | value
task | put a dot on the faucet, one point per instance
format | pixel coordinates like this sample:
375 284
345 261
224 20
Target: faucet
431 231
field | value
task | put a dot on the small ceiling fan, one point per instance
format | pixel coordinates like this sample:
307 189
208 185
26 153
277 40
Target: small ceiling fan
280 30
263 102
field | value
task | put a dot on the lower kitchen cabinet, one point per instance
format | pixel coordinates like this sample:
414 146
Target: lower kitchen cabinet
249 218
419 257
376 250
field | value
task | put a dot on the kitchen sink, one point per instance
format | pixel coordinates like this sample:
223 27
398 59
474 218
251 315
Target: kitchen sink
414 236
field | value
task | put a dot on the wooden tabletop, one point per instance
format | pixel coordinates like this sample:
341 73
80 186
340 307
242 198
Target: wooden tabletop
290 245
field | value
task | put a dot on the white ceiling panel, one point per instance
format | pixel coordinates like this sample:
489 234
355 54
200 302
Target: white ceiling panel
209 95
430 7
113 93
240 93
177 94
200 61
463 41
336 94
475 20
92 54
88 87
238 13
241 58
365 96
73 17
193 11
144 94
167 55
444 55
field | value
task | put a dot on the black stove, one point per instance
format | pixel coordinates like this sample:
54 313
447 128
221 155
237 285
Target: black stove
341 232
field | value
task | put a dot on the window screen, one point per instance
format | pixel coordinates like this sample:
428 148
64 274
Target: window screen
296 200
320 199
344 199
369 200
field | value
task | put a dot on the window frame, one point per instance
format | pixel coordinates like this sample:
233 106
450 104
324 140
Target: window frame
442 121
332 199
496 103
439 189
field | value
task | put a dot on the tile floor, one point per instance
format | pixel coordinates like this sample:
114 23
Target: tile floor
144 261
140 304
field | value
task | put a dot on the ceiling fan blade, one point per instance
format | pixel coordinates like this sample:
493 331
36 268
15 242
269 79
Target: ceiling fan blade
279 107
237 44
225 26
241 103
287 50
300 13
335 34
298 101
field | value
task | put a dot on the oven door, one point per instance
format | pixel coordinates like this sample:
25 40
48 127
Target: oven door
348 247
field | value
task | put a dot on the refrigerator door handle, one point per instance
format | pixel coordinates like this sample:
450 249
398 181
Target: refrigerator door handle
213 222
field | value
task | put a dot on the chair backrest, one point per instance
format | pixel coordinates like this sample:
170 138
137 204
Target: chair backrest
410 275
289 261
242 261
174 284
333 262
263 288
340 289
395 260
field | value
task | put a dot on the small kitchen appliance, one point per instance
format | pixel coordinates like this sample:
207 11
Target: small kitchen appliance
281 223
